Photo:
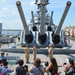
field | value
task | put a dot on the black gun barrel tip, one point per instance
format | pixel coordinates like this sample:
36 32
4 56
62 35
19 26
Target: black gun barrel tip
69 3
18 3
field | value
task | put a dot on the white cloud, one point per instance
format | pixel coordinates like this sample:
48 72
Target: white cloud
28 21
14 13
12 24
9 6
32 3
57 4
2 0
1 16
8 10
5 8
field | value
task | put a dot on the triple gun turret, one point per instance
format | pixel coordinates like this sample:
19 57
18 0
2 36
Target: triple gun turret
43 38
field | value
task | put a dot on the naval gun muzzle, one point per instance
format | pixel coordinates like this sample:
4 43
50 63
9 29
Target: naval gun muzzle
28 34
56 34
42 37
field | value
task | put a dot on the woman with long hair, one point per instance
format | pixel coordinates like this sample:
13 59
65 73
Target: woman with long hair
52 67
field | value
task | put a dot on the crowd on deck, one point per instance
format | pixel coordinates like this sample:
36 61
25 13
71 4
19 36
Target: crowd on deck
50 67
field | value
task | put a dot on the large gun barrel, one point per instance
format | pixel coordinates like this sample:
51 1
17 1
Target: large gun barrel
18 3
68 4
28 35
34 27
42 31
42 34
56 34
33 18
51 18
49 27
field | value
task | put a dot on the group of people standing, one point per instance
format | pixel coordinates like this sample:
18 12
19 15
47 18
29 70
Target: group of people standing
27 52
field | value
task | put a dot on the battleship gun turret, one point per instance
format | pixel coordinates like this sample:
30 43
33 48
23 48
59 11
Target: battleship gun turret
41 30
56 34
28 34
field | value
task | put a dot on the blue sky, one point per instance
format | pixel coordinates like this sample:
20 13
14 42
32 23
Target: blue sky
10 18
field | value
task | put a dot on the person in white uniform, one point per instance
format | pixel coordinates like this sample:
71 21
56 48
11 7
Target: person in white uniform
27 52
50 51
34 52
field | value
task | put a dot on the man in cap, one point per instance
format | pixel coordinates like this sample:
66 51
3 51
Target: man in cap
50 51
27 53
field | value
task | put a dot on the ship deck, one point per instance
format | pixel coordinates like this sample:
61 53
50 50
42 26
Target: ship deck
60 55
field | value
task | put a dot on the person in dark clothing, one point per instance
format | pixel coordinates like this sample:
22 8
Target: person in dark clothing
3 56
5 69
21 70
68 68
26 68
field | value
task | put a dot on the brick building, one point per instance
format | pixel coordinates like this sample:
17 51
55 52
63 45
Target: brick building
70 31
